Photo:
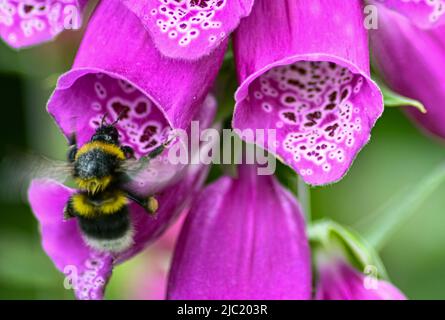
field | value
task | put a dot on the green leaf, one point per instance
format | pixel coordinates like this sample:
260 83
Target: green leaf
304 196
328 236
392 99
383 223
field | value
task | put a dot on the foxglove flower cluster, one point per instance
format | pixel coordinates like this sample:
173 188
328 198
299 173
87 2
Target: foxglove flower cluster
304 71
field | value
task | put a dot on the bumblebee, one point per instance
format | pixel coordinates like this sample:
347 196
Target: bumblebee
100 204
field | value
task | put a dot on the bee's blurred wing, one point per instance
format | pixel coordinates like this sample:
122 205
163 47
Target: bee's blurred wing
149 176
16 172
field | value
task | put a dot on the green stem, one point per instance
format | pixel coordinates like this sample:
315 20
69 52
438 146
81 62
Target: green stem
388 219
304 196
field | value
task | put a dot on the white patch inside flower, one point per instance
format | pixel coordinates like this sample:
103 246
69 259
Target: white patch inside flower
190 18
312 102
34 16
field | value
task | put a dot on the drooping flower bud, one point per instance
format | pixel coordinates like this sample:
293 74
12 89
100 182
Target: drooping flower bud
346 267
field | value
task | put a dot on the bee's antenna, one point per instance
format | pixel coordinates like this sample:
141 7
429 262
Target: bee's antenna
119 117
102 122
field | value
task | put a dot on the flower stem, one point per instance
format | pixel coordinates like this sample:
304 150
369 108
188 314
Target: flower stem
304 196
383 223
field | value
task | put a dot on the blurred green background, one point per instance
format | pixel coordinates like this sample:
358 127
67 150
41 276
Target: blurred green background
398 156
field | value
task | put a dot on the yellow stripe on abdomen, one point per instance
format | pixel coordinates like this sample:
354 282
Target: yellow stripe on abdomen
85 207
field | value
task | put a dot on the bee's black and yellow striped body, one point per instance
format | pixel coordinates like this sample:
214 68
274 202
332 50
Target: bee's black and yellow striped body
100 205
103 219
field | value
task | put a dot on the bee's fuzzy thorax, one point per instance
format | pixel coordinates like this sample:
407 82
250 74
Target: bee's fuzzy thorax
109 148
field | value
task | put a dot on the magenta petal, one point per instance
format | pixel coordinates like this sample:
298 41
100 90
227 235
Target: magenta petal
423 13
88 270
118 70
308 79
412 62
63 242
189 29
340 281
25 23
242 239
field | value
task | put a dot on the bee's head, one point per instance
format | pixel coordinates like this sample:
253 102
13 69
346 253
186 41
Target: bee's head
106 133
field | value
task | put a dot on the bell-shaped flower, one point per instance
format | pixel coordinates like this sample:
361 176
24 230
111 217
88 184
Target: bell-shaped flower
189 29
87 270
148 280
244 238
424 13
118 71
411 61
339 280
25 23
304 73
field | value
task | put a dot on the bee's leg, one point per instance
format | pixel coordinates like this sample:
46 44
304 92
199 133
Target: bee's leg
128 151
72 151
68 212
156 152
150 204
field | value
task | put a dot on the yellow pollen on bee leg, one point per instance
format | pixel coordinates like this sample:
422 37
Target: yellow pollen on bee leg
152 205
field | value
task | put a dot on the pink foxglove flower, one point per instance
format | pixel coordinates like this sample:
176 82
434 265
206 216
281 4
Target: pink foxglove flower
304 72
424 13
338 280
87 270
25 23
118 71
411 61
189 29
243 238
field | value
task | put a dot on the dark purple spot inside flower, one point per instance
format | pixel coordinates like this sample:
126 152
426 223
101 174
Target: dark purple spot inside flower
295 82
333 96
313 115
28 8
148 133
121 110
199 3
330 106
290 116
141 108
331 129
289 99
344 94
